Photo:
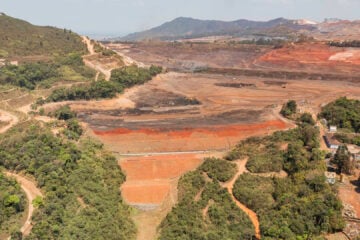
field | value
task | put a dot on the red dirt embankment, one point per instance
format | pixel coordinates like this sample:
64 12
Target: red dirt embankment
219 137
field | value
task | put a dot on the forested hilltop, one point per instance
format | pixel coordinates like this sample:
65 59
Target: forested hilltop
19 38
79 178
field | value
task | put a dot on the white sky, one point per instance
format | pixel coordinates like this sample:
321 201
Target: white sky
119 17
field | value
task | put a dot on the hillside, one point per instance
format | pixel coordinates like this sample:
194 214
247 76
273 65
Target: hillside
191 28
19 38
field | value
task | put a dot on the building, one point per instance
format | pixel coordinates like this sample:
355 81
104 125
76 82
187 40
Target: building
333 129
330 177
331 141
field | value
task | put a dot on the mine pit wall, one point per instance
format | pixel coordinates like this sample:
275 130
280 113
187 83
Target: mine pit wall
285 75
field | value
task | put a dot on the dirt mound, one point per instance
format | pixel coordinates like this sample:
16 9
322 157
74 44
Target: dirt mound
313 57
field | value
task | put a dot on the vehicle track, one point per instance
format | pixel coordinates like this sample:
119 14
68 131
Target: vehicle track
31 192
230 185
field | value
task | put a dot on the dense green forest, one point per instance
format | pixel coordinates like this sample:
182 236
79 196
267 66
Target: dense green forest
265 154
12 205
43 74
343 113
121 78
20 38
133 75
80 181
301 206
223 220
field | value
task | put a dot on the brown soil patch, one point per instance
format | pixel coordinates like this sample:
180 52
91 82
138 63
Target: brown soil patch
159 167
145 193
349 193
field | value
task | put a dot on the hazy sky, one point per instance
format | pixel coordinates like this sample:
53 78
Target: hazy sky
119 17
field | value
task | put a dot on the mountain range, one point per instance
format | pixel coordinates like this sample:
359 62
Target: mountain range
183 28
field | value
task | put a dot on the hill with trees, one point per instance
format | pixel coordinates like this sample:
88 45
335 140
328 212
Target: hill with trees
343 113
80 181
183 27
19 38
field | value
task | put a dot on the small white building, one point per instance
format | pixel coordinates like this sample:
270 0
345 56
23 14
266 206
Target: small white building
333 129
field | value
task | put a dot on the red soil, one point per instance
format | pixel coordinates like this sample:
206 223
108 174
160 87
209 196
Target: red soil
205 138
149 178
220 131
145 193
310 53
158 167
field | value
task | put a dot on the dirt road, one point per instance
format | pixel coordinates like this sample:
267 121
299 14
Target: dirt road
31 192
7 117
230 185
94 64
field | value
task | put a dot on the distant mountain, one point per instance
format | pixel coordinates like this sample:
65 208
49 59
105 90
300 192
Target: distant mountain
182 27
20 38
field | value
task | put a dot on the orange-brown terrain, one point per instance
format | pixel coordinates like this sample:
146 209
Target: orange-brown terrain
164 128
314 57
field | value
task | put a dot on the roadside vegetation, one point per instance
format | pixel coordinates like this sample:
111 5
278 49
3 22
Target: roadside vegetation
121 79
346 44
301 206
80 181
12 205
205 209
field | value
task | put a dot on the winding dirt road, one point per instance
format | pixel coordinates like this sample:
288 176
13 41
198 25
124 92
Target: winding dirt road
31 192
94 65
230 185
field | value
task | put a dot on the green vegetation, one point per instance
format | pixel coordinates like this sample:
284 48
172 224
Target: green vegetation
223 219
28 75
289 108
306 118
343 113
44 74
346 44
80 181
12 205
300 206
342 159
94 90
218 169
20 38
265 154
132 75
120 79
348 138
